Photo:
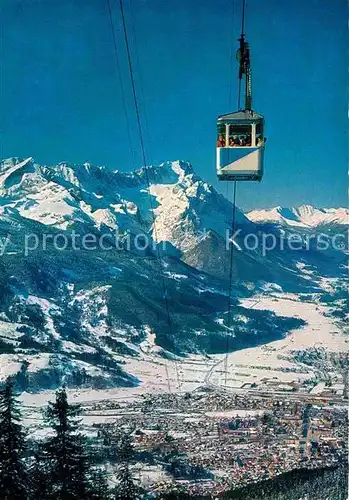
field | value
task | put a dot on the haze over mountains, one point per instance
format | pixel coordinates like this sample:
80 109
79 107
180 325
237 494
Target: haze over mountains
73 312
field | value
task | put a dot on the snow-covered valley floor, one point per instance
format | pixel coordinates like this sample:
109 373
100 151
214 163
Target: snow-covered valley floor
251 365
258 365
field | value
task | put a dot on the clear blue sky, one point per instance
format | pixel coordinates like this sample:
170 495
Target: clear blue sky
60 95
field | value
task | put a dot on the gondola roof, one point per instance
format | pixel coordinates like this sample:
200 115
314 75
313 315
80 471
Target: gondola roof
242 115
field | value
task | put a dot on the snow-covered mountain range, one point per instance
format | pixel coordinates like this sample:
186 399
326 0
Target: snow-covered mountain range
303 216
86 253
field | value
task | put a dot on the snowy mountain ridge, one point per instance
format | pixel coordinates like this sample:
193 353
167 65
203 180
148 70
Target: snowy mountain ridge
99 196
25 186
303 216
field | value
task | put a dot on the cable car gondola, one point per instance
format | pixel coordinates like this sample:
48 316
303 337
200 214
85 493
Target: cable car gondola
240 134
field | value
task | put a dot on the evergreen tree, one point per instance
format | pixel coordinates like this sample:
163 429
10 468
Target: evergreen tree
99 489
126 489
13 476
65 452
40 479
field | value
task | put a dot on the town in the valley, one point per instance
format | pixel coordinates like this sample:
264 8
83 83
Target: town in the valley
213 441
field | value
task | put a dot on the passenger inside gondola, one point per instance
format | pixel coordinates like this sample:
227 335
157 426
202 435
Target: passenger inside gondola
220 141
259 135
240 135
242 140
